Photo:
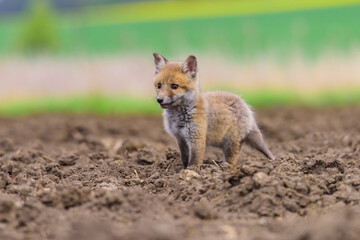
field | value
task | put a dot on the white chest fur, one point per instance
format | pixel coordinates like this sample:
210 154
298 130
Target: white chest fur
178 121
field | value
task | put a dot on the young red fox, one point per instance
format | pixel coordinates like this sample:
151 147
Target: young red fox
196 119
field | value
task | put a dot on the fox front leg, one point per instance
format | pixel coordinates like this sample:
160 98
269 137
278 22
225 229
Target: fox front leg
191 153
197 150
184 151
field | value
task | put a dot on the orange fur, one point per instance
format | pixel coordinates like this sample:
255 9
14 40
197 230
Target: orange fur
198 119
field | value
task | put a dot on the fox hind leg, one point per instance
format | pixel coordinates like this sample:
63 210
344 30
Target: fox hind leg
231 152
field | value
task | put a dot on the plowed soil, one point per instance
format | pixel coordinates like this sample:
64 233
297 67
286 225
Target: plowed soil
88 177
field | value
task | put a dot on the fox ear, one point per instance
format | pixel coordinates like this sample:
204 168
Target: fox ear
190 66
159 61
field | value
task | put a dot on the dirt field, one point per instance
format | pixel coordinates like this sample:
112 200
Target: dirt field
86 177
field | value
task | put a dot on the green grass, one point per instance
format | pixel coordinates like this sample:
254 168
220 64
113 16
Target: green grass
267 98
94 104
130 105
244 29
310 32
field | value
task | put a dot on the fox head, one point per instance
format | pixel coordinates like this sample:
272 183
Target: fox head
175 83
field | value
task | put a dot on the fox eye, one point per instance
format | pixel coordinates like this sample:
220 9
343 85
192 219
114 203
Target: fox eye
174 86
159 85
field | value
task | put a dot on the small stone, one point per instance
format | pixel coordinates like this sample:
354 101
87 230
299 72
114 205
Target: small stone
247 170
188 174
262 221
260 178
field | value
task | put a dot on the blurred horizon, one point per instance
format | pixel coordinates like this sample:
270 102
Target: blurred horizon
63 48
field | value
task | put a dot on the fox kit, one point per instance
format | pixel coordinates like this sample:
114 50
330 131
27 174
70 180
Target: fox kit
196 119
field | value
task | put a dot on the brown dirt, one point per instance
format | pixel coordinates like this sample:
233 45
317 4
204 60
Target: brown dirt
86 177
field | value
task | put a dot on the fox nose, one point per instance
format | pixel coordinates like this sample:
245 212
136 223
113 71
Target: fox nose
160 100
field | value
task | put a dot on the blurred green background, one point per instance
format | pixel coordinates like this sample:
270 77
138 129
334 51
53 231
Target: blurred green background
95 56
